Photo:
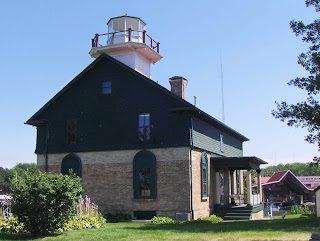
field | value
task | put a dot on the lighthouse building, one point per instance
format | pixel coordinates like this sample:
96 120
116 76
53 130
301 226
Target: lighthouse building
138 147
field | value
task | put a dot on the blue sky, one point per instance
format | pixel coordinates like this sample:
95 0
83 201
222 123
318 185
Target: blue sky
45 44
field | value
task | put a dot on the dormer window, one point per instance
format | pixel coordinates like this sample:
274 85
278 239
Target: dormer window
106 87
144 127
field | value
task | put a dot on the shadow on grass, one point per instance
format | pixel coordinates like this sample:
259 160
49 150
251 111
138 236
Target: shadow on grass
302 224
23 236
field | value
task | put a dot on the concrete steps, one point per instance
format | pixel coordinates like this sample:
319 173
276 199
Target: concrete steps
234 212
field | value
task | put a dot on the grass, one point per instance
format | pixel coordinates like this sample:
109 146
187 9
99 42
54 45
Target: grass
293 227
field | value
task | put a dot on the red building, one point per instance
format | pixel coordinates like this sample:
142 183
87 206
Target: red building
285 187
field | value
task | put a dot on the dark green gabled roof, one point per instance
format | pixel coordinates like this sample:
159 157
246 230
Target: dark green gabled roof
127 17
33 120
188 107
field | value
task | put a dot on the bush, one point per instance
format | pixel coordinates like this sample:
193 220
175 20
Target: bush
117 217
166 220
163 220
300 209
83 222
87 216
213 219
11 225
45 202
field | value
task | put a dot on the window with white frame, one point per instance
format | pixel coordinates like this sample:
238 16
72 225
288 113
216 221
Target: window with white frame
144 127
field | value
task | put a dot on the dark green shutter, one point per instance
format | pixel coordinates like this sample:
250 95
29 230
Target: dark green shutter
204 175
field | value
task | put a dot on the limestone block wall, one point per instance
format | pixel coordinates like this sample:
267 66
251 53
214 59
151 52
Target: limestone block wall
107 178
202 207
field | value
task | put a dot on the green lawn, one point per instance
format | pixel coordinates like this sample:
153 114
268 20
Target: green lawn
293 227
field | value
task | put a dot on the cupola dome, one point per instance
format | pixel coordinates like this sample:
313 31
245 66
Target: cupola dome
127 41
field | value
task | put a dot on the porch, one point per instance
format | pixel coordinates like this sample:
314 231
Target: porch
232 192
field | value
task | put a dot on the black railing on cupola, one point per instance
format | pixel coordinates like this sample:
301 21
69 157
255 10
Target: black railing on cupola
146 39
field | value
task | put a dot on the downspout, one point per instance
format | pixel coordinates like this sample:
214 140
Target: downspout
191 203
192 146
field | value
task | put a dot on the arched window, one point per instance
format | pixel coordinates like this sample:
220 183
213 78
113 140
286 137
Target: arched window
144 175
73 162
204 175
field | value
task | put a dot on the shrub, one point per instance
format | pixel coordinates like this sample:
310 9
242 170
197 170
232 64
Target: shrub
213 219
11 225
300 209
45 202
166 220
163 220
87 216
116 217
83 222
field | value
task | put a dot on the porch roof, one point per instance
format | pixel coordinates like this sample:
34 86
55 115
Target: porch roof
237 163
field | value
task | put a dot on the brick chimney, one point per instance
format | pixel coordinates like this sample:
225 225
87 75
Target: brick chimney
179 86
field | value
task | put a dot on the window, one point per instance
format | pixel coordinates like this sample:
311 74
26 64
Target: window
204 175
144 182
145 215
221 143
106 87
144 175
72 132
144 127
71 163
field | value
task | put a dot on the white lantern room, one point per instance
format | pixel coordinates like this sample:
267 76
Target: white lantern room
127 41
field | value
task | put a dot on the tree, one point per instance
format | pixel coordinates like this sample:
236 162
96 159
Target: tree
297 168
6 175
306 114
44 202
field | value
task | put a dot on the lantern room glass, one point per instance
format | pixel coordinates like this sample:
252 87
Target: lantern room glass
118 30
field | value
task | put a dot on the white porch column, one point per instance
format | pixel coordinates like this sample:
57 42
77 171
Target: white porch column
217 188
241 182
249 189
226 187
259 185
233 182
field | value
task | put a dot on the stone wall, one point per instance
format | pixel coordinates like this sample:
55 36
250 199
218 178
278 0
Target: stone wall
107 178
257 215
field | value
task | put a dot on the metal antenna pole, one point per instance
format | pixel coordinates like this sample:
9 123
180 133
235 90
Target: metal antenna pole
222 94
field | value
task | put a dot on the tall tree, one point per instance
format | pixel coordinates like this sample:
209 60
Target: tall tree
6 175
306 114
